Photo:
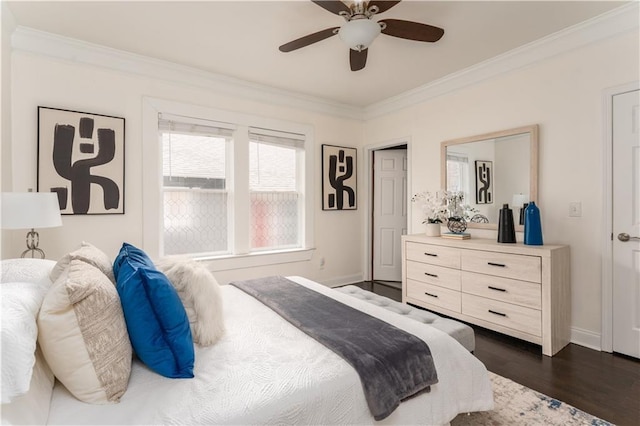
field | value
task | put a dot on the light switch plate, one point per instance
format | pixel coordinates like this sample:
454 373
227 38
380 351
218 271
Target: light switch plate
575 209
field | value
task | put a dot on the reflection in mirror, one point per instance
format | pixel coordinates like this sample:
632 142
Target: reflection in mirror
491 170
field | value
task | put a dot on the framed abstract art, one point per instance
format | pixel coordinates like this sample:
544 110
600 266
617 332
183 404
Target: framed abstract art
484 182
81 159
339 178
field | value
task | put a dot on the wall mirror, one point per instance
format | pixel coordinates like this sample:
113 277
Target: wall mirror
491 170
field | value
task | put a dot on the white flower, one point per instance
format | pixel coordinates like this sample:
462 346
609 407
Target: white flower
432 205
439 206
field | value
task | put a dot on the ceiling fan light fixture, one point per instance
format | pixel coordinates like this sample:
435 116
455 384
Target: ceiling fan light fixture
358 34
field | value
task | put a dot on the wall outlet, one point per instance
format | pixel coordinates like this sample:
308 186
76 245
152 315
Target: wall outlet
322 263
575 209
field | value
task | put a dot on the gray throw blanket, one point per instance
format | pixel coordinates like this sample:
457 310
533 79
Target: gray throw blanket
392 364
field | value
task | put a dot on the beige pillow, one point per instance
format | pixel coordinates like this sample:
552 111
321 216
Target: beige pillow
88 253
200 295
83 336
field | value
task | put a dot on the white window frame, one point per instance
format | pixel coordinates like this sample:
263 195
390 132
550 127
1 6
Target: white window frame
152 205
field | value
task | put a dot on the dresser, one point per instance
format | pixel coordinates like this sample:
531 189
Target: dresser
515 289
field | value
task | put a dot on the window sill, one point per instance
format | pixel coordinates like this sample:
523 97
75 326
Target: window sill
252 260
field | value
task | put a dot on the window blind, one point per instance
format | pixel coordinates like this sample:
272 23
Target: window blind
459 158
194 126
274 137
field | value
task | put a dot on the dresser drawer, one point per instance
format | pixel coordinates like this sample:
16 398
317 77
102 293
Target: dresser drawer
434 295
519 267
515 317
434 255
522 293
436 275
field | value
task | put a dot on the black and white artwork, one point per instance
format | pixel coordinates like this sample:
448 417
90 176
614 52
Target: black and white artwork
338 178
81 158
484 182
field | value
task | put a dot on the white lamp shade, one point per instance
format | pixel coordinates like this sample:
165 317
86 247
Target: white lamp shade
518 200
358 34
26 210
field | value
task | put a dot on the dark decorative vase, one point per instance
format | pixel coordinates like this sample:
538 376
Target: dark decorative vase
457 225
522 209
506 227
532 225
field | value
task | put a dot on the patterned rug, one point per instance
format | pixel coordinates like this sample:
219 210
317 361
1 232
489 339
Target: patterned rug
518 405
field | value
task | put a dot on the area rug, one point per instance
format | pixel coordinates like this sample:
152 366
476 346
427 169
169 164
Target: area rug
518 405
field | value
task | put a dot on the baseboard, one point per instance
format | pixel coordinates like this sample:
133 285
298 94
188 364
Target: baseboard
340 281
586 338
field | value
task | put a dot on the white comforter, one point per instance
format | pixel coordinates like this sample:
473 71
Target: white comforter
266 371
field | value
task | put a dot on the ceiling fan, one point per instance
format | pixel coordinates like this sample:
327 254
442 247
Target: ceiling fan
359 29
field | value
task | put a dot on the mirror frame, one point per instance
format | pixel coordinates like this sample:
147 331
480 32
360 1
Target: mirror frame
533 160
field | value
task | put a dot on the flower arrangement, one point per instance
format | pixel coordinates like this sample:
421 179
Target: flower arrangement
432 205
439 206
456 206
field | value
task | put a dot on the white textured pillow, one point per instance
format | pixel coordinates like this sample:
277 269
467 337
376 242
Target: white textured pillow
32 408
200 295
26 270
88 253
20 304
83 336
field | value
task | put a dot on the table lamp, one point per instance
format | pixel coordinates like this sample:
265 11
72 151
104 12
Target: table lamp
519 201
30 210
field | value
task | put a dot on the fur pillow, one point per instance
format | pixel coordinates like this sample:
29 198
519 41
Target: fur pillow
200 295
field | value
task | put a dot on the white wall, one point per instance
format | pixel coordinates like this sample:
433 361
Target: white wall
42 81
564 95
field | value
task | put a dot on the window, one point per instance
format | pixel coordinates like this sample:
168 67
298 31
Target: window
231 189
458 173
195 197
275 184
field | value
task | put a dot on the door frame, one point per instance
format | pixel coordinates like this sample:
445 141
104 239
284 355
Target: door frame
368 188
606 334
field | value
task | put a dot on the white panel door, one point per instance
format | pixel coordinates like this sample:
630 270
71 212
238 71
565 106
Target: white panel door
626 223
389 213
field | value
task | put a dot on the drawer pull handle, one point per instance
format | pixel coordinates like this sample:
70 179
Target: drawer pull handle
431 275
497 313
497 289
431 295
431 254
502 265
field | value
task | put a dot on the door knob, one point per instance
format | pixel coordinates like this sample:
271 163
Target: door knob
624 237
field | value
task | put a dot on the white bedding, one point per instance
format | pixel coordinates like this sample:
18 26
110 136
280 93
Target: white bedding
266 371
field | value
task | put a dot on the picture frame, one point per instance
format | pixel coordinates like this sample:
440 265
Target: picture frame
484 182
339 178
81 158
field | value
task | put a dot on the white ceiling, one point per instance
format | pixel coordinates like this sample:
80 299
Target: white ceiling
241 38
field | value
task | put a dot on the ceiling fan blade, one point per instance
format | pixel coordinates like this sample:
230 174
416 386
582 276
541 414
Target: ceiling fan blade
334 6
358 59
308 39
382 5
411 30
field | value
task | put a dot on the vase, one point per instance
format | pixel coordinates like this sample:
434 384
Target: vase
506 227
432 229
532 225
457 225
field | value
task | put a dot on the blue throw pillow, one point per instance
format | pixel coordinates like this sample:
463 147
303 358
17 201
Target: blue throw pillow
156 320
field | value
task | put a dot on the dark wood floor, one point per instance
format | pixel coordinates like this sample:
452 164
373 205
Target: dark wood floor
602 384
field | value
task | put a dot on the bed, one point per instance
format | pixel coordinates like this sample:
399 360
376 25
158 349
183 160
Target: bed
266 371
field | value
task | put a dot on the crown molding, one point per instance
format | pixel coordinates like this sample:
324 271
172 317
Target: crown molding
79 51
610 24
615 22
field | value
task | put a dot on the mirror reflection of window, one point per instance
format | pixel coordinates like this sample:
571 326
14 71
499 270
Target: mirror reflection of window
458 173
